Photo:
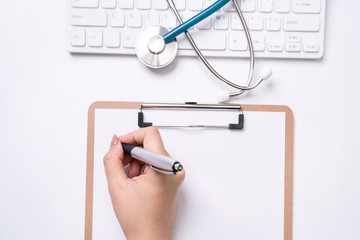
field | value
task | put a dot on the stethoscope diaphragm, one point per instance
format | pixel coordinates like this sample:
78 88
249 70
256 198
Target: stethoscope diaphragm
152 50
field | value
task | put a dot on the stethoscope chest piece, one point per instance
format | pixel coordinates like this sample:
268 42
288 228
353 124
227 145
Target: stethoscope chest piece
151 48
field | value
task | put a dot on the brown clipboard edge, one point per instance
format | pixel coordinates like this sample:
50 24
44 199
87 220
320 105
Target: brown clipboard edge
289 155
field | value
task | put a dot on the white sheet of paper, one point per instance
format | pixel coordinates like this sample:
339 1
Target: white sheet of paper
234 186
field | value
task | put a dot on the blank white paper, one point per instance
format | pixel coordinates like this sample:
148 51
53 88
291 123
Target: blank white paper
234 185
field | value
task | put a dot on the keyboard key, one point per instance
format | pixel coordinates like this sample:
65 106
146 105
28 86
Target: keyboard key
161 4
85 3
126 4
258 41
180 4
247 5
143 4
117 19
237 41
306 6
129 37
218 41
256 23
292 47
275 47
310 47
208 3
265 6
229 7
205 24
221 21
236 22
151 19
282 6
273 23
87 17
134 19
293 38
168 20
108 4
302 23
195 5
77 37
112 38
94 37
185 17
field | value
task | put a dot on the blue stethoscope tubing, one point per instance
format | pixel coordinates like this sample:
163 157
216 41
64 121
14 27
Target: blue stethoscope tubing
170 36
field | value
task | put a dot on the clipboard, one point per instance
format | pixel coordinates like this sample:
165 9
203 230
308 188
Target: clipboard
237 126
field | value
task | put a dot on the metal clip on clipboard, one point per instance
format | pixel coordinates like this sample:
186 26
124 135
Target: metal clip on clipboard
191 105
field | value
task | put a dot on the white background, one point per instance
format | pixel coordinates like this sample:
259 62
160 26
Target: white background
45 93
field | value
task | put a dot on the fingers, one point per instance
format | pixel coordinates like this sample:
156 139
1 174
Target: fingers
151 140
134 169
113 163
148 137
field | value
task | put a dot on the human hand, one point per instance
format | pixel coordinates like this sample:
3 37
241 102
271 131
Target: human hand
144 200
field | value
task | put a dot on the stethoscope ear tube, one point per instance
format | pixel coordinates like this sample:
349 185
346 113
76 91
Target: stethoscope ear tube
247 86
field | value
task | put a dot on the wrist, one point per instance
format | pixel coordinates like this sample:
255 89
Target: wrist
149 236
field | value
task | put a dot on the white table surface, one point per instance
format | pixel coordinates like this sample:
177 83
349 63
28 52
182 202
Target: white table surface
45 93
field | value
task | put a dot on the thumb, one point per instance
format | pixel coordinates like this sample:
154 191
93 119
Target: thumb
113 163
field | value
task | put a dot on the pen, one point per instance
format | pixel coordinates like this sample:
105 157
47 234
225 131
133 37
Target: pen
157 161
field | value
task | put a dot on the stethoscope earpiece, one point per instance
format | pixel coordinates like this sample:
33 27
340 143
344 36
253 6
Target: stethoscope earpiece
265 73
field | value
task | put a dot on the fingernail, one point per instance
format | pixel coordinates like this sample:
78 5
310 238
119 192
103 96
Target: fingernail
114 141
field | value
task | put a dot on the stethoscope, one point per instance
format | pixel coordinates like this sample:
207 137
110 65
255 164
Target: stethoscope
157 47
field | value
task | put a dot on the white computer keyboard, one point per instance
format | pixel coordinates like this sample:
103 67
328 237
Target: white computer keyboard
279 28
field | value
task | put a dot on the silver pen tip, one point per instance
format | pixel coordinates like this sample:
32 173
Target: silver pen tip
178 167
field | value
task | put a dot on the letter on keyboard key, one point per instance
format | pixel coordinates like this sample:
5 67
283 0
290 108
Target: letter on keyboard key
112 38
168 20
302 23
87 17
310 47
256 23
258 41
306 6
247 5
293 37
265 5
151 19
195 5
94 37
77 37
274 47
236 23
221 21
129 37
292 47
85 3
134 19
117 19
237 41
282 6
273 23
126 4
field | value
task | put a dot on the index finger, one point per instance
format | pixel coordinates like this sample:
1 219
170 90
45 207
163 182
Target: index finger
148 137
